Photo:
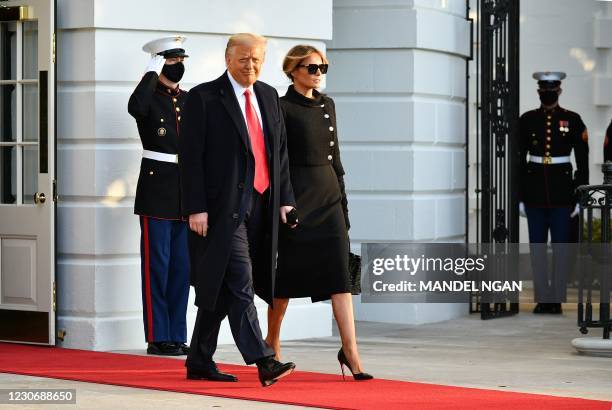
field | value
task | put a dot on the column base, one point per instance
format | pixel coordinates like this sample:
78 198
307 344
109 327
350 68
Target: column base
592 346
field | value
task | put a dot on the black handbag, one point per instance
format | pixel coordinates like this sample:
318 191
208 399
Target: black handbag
355 273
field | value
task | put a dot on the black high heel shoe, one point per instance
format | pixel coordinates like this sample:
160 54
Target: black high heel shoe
344 362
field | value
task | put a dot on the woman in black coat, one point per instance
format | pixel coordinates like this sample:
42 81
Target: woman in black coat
313 257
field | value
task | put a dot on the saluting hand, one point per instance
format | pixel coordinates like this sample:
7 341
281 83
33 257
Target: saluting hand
156 64
199 223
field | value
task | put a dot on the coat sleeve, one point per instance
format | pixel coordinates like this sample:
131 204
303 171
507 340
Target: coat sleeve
608 144
192 145
140 100
287 197
581 153
337 164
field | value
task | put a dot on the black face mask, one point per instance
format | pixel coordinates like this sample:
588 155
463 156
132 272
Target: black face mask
174 72
549 97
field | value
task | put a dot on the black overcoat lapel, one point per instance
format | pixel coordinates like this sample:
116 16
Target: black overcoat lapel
228 98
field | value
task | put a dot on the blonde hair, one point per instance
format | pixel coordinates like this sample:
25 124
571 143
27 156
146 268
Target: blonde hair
244 39
298 54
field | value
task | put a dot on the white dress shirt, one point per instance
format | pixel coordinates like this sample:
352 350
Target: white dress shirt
239 91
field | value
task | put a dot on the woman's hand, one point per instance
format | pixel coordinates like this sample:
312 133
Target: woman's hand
284 210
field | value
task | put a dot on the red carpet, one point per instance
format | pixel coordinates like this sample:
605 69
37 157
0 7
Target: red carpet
300 388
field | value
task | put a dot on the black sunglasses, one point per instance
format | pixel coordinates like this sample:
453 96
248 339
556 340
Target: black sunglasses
312 68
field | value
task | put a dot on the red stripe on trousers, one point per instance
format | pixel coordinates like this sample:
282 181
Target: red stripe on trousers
148 281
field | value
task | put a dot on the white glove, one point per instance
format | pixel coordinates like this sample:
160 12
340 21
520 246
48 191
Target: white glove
156 64
576 211
522 210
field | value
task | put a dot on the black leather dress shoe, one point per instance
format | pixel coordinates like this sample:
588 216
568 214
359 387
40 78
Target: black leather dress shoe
556 309
213 374
542 308
182 347
163 349
271 370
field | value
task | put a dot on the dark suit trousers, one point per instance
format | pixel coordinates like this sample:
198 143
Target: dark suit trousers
235 299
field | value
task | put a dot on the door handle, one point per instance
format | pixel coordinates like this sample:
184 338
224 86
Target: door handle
40 198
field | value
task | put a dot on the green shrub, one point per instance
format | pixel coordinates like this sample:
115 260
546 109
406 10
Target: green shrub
596 230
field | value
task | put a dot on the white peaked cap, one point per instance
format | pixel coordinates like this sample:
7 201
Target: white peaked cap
165 44
549 75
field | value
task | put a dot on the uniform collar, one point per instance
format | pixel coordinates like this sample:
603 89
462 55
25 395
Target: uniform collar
164 89
553 110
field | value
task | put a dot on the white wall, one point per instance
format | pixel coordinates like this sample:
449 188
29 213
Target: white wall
100 62
398 78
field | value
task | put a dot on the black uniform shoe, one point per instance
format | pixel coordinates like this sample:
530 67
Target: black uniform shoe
271 370
555 308
542 308
163 349
212 374
182 347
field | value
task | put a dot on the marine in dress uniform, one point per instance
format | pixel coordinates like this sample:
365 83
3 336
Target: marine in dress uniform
548 135
156 105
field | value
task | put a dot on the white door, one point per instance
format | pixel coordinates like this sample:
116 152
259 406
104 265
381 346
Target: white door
27 171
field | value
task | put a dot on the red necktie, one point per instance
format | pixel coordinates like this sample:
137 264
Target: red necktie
262 176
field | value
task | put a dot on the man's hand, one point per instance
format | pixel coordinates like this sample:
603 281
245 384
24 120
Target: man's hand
284 210
199 223
522 211
156 64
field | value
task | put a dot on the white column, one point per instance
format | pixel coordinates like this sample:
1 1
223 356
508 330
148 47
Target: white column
100 62
398 78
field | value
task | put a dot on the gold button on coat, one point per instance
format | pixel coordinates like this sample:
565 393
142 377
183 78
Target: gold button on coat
332 143
329 157
331 128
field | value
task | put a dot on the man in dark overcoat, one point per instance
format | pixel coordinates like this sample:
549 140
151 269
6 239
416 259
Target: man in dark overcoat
235 190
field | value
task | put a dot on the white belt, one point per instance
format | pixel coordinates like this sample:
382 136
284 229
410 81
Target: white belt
160 156
550 160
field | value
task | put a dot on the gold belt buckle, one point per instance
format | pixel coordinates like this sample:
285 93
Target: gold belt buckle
547 160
